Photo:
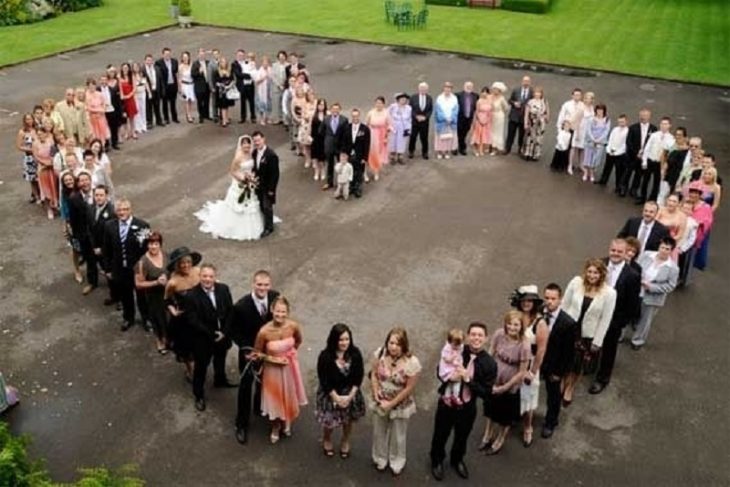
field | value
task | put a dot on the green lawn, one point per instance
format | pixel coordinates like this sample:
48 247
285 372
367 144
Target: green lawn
674 39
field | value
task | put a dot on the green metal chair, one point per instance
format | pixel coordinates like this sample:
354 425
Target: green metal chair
389 11
420 19
404 19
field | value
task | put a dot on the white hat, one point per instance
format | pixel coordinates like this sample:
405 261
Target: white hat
498 85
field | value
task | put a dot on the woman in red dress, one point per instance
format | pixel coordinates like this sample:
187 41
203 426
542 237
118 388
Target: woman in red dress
127 92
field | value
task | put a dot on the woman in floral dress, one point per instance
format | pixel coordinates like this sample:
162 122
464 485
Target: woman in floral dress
537 113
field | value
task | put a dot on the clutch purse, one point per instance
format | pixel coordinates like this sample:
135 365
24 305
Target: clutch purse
232 93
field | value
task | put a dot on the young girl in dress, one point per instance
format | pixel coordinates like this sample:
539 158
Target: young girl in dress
561 157
451 361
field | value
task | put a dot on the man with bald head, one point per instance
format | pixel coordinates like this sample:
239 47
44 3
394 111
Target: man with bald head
421 108
70 113
517 101
636 139
467 106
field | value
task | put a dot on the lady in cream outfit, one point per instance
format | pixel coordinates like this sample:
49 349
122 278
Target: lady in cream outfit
500 107
590 301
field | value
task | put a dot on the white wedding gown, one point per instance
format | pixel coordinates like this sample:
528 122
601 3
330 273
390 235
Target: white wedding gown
227 218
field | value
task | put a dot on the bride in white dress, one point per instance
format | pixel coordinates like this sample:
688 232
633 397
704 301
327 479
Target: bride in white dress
227 218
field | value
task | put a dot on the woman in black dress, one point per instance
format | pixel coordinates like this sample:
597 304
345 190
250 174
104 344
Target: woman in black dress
223 79
317 149
339 400
150 279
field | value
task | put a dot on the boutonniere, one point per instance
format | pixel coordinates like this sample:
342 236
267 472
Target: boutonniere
105 214
135 227
143 235
360 133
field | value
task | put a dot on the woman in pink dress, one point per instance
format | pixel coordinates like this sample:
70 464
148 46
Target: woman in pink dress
672 217
379 123
282 389
481 129
96 109
127 91
46 176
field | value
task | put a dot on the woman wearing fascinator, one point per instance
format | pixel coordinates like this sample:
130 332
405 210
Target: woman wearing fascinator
238 216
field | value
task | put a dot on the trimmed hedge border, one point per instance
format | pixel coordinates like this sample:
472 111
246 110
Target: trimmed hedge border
528 6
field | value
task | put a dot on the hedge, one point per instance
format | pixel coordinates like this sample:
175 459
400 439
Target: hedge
529 6
449 3
14 12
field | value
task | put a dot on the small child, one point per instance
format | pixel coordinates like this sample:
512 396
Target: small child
343 173
451 361
561 157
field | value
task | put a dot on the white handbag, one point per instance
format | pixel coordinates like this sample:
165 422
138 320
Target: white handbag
232 93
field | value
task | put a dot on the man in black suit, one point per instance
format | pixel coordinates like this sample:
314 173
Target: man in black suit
356 144
467 106
636 139
627 283
249 314
153 74
645 228
124 244
112 108
559 354
293 68
333 127
79 224
461 418
212 70
168 69
199 72
208 309
421 109
266 168
101 212
517 101
242 70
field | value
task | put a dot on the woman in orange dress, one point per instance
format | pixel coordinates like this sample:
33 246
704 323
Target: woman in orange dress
379 123
95 107
46 176
481 129
282 389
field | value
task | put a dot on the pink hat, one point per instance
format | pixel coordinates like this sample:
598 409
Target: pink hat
695 186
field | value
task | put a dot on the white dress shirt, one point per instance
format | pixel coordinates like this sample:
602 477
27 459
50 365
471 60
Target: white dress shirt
567 112
646 228
644 132
563 140
656 145
614 270
617 141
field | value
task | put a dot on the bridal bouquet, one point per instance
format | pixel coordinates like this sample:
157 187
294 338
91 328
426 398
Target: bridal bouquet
248 185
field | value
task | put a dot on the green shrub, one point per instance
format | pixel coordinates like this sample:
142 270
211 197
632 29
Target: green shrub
13 12
185 8
75 5
449 3
174 3
529 6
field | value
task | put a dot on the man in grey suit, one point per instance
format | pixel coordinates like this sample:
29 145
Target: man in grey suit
658 279
212 70
333 128
517 101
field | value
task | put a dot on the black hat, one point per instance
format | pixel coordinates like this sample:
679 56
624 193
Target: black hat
529 292
400 95
181 252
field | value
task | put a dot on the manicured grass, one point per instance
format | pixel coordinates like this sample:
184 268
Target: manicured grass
684 40
115 19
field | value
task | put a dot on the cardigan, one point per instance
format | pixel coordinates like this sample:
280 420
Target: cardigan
330 377
598 316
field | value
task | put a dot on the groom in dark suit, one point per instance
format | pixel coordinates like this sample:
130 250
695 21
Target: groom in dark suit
199 72
559 354
208 308
125 241
356 144
332 128
249 314
266 169
517 101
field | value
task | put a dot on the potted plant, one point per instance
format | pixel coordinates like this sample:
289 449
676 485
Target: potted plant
174 8
184 17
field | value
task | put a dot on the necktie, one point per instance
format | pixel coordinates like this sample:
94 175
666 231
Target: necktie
524 94
262 308
123 230
334 124
643 231
467 105
211 296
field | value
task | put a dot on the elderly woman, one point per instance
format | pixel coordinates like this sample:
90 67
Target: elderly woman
446 113
580 129
500 108
340 401
537 113
50 113
481 128
393 376
400 116
596 138
590 301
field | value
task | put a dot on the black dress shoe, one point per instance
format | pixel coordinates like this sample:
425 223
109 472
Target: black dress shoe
437 470
410 155
126 326
462 152
224 384
461 469
109 302
146 327
200 404
639 201
635 347
241 436
266 233
176 121
425 156
241 121
547 432
455 152
596 388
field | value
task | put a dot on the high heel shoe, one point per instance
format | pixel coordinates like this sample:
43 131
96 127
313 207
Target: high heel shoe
527 438
485 444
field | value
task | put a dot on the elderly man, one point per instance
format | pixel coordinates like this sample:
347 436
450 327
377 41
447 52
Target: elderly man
421 108
517 101
71 114
467 106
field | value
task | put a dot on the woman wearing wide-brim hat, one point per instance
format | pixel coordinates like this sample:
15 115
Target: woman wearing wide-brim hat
400 116
500 108
185 275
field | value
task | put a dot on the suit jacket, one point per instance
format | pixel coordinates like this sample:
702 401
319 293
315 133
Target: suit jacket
560 350
633 139
333 139
628 302
96 230
163 71
245 320
243 78
416 107
516 114
631 229
267 171
134 246
462 97
78 217
662 284
359 148
159 84
597 317
200 77
204 318
116 99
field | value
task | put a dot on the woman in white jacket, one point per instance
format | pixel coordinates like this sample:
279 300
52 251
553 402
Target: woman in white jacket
589 300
